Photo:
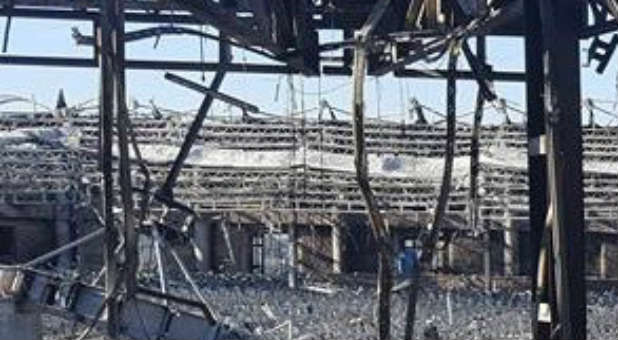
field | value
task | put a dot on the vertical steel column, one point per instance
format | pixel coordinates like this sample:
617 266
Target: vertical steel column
481 54
106 117
122 119
560 23
292 255
537 168
475 142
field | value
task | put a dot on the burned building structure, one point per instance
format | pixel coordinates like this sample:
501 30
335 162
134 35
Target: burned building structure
223 196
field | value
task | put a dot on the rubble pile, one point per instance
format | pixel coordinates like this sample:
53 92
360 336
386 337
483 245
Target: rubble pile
265 308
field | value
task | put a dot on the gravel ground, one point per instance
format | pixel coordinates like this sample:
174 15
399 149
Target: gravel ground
263 307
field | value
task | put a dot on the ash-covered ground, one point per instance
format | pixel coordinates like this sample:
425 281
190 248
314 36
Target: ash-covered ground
265 308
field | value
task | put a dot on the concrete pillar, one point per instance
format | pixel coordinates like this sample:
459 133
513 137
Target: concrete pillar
337 251
452 255
511 249
440 255
487 259
603 257
62 229
203 236
21 321
245 250
292 254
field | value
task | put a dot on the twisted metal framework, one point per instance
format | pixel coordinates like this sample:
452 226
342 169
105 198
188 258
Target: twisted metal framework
47 174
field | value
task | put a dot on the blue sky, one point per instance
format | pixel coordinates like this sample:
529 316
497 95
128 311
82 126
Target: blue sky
51 37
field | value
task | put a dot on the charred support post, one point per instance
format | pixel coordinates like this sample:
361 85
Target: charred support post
603 259
337 245
292 255
438 260
203 236
474 165
63 234
126 189
445 188
106 114
537 162
487 259
245 249
511 248
560 27
381 233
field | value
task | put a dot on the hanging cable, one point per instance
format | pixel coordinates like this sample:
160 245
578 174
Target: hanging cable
431 240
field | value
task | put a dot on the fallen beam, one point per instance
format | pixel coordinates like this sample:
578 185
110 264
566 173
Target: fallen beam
144 317
191 136
214 93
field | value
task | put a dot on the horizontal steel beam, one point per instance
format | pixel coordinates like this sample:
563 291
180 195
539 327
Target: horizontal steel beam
506 76
144 64
93 15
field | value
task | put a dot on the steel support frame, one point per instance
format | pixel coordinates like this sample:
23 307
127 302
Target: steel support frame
556 56
107 64
537 162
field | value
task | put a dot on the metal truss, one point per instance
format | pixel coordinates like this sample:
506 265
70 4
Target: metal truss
41 176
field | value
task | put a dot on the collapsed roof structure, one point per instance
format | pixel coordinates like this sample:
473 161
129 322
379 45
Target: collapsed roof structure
568 172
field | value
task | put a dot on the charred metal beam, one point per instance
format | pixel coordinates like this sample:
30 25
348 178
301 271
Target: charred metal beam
145 64
379 228
144 317
217 95
7 32
505 76
106 118
117 11
562 99
598 29
226 22
93 15
478 66
481 26
192 134
161 30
